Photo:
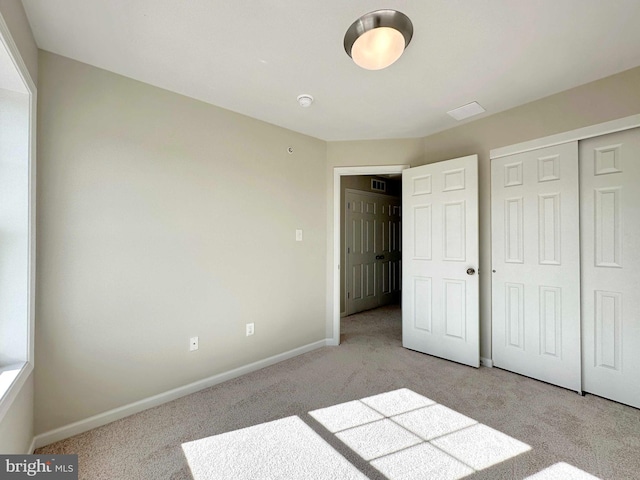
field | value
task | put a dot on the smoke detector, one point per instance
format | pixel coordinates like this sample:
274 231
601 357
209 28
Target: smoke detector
305 100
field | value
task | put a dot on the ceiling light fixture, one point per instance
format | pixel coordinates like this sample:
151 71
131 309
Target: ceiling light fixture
377 39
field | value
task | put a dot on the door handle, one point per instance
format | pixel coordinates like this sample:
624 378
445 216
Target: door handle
379 257
470 271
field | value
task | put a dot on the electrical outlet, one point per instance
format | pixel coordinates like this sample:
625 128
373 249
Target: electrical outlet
298 235
193 344
250 329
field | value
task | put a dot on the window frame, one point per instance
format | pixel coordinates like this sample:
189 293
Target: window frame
25 368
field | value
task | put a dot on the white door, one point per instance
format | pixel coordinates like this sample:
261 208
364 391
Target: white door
363 246
390 279
536 264
440 260
373 254
610 222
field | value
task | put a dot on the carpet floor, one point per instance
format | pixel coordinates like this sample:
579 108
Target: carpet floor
558 433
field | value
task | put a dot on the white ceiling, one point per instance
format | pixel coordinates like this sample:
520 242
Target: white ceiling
256 56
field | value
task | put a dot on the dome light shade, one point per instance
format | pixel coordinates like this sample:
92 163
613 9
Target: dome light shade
378 39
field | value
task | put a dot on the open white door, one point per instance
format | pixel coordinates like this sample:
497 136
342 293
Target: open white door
440 260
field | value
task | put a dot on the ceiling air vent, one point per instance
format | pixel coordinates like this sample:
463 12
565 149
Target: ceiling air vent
378 185
466 111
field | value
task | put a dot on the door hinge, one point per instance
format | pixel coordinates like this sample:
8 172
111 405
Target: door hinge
348 294
348 249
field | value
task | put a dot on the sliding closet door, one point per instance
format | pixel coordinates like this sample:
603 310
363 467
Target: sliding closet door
536 264
610 218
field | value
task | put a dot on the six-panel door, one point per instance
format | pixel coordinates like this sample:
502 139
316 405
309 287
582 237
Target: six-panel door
610 222
440 260
536 264
373 250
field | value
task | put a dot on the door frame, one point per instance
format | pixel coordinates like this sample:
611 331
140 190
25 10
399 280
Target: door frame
334 257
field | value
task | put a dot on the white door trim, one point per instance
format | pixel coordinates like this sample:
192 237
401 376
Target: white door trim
334 257
617 125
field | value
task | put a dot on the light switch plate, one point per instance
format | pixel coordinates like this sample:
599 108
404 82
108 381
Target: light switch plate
298 235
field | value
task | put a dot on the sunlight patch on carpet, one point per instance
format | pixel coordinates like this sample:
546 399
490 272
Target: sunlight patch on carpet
480 446
402 434
397 402
286 448
562 471
388 438
346 415
420 462
416 437
434 422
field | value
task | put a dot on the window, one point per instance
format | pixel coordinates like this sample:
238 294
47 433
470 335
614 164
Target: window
17 116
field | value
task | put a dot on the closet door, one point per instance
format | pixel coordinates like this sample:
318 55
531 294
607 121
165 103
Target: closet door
610 218
536 264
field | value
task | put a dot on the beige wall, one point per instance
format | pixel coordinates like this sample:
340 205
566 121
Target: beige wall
161 218
13 13
404 151
607 99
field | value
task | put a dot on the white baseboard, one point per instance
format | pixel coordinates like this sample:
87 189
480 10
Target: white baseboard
32 447
486 362
144 404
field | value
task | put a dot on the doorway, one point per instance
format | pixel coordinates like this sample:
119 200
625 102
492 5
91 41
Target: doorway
440 249
338 227
371 243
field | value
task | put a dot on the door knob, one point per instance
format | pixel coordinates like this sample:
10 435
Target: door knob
470 271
